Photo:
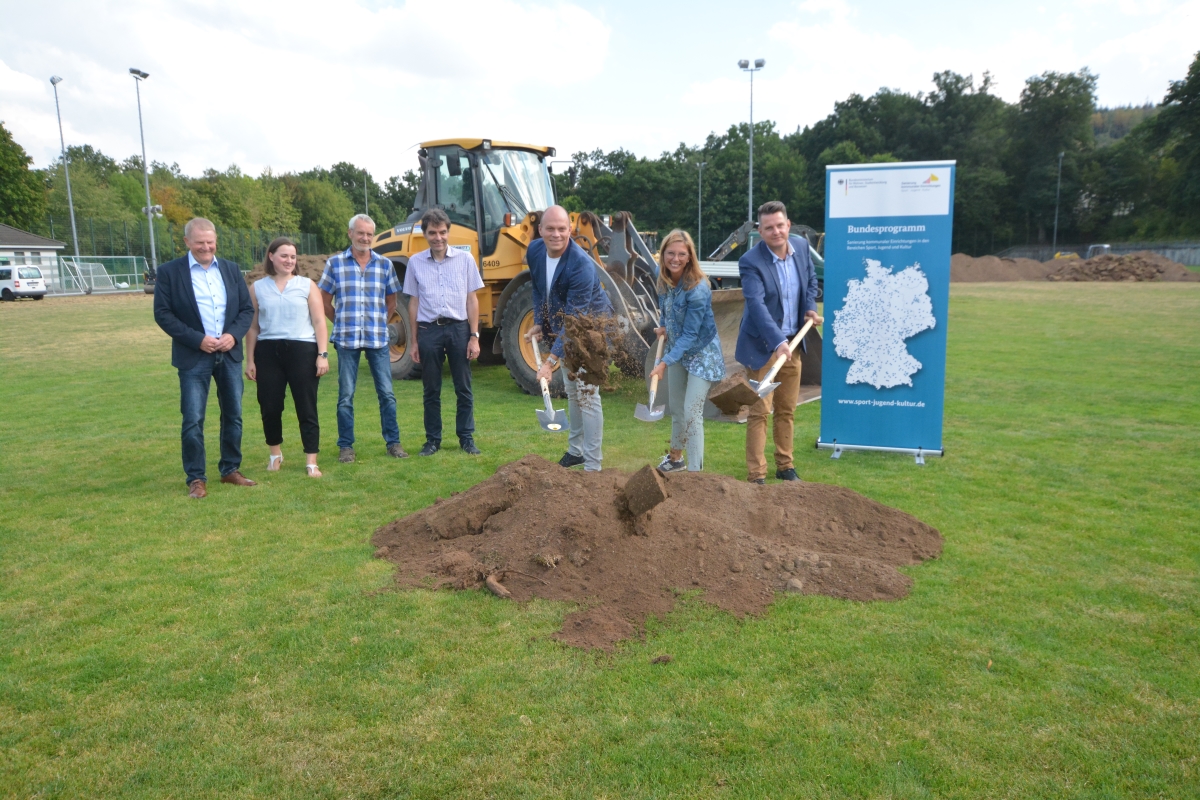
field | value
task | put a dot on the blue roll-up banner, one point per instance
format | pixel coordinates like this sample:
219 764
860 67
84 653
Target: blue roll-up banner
887 287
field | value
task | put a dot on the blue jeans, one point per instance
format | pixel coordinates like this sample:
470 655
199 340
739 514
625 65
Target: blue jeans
585 423
193 400
381 373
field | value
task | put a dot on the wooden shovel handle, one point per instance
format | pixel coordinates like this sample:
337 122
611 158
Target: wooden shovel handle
657 359
792 345
537 357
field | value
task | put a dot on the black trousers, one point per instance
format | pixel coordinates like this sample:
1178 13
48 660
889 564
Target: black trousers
438 344
284 363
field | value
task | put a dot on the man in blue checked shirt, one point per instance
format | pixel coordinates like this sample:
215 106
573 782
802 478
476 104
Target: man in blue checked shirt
359 288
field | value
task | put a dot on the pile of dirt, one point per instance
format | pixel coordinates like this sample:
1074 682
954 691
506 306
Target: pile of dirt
535 529
965 269
1140 266
308 266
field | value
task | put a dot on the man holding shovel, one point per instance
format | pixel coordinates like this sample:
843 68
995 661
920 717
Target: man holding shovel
780 287
565 284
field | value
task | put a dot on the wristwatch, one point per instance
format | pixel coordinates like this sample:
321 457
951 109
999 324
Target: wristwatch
323 355
475 334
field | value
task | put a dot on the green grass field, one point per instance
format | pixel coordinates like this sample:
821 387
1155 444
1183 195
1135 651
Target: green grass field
250 646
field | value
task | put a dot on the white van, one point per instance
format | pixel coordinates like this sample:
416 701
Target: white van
18 280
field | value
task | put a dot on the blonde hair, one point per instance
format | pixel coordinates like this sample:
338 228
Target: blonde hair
691 273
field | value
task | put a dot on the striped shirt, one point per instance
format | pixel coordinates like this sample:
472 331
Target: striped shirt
441 289
359 299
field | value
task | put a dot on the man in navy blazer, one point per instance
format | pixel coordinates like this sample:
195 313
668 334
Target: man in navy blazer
202 303
780 287
565 284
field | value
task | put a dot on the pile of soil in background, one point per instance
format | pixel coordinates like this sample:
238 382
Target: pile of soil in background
308 266
1140 266
965 269
544 531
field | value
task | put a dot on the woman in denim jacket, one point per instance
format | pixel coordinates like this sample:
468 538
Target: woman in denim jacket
692 360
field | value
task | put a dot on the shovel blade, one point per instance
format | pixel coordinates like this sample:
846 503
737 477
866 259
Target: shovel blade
763 389
553 421
645 414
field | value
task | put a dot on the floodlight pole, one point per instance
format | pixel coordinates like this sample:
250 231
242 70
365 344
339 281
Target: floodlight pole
366 205
1057 195
138 77
759 63
54 81
700 209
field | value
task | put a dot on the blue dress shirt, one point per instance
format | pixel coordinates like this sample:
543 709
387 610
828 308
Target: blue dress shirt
789 286
209 287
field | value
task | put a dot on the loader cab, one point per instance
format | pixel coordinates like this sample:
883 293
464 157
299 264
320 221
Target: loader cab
484 188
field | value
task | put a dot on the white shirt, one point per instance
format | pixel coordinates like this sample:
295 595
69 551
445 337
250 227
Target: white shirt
284 314
551 265
209 288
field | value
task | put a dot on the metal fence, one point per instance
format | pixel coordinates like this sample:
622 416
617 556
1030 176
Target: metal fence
132 238
1185 252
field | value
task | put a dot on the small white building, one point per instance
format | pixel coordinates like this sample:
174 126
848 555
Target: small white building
22 248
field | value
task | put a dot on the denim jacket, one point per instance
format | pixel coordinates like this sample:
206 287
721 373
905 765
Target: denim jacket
699 327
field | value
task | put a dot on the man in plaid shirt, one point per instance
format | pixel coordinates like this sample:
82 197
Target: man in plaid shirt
359 288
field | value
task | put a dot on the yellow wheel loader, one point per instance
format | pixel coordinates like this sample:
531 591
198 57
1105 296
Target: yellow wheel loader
494 194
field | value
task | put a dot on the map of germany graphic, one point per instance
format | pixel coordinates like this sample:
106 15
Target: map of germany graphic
878 314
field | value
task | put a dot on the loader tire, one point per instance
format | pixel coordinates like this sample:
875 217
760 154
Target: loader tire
399 335
518 352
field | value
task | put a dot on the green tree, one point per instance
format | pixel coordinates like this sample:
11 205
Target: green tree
1053 116
22 196
324 210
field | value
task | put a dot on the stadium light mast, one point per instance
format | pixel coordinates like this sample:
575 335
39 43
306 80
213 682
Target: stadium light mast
1057 195
759 63
138 77
55 81
700 211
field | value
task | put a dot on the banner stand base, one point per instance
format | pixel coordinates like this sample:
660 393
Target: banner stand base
917 453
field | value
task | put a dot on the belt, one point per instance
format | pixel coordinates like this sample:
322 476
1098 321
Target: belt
445 321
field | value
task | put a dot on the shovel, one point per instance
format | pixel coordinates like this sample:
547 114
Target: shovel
549 419
765 387
648 413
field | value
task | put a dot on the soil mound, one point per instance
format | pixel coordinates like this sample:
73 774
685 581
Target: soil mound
965 269
1140 266
308 266
543 531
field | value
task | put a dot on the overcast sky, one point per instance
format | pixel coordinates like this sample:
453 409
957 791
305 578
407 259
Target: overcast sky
295 84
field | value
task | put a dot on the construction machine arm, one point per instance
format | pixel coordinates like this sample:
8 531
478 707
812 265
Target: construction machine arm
739 238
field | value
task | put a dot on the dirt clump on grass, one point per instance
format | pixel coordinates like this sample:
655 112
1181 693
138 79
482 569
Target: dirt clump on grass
544 531
309 266
1140 266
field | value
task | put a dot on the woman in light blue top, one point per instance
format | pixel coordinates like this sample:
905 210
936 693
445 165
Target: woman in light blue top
692 359
287 346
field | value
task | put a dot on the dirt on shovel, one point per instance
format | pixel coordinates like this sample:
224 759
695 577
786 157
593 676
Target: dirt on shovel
539 530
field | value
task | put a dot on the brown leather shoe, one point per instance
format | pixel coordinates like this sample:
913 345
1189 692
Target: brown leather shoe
238 479
197 489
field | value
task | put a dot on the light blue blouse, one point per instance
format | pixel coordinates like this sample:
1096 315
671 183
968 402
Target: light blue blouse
284 315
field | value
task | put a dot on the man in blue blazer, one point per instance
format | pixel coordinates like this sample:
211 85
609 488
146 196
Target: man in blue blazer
202 302
565 284
780 287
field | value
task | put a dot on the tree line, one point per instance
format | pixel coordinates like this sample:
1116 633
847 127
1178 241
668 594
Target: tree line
317 201
1129 173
